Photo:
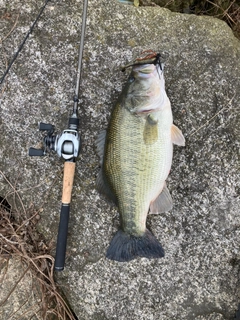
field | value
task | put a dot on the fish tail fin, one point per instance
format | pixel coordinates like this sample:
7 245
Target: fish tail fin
125 247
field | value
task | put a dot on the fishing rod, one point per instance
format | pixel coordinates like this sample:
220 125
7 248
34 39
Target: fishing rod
67 145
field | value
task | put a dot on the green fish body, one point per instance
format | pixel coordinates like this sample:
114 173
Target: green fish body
136 156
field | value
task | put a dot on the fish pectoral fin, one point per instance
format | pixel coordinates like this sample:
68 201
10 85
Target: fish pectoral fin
162 203
100 143
152 118
177 136
150 133
103 187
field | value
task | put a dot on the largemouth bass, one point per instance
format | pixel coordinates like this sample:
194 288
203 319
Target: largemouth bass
136 156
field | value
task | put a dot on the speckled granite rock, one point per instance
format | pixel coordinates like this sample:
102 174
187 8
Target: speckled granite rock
19 295
199 276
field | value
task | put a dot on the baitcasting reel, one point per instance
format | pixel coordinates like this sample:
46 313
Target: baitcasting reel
67 144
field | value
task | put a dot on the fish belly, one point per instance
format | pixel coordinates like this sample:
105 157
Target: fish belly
135 167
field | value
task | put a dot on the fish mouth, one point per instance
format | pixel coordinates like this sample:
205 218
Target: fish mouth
152 58
144 111
145 70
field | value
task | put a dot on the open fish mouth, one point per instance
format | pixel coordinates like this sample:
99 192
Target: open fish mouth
146 111
150 58
144 71
145 68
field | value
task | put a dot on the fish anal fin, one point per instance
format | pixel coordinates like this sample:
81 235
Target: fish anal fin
162 203
177 136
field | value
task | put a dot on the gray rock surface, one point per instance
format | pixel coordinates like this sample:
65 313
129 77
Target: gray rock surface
199 276
19 296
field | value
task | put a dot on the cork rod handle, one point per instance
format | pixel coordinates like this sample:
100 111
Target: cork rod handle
68 177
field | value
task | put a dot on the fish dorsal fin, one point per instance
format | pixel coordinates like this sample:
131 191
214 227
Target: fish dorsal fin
177 136
162 203
103 187
100 144
101 182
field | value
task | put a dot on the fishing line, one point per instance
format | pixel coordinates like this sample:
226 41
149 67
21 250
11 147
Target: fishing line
23 42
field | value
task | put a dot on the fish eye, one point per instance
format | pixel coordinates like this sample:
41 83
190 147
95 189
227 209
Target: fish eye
131 79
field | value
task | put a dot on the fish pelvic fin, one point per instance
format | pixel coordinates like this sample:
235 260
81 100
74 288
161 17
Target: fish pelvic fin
177 136
125 247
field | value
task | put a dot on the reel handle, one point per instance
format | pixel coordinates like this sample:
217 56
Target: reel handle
45 126
32 152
